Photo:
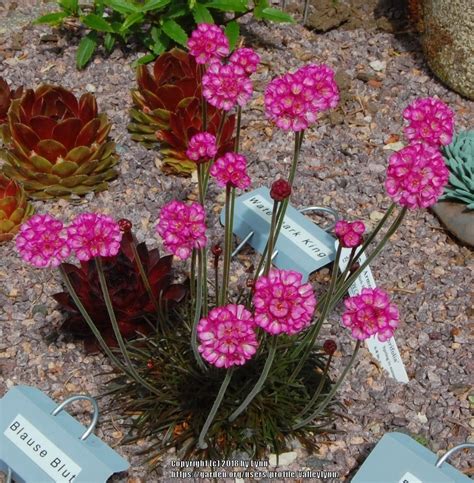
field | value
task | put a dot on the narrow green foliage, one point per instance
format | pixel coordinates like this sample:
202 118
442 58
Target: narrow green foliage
232 31
86 49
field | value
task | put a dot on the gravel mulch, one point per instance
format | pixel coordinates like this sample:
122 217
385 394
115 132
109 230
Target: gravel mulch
343 165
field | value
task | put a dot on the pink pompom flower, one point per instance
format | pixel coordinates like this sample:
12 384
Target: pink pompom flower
231 169
430 121
208 42
416 176
319 86
202 147
92 235
182 227
370 313
227 336
247 58
42 241
283 304
224 86
350 235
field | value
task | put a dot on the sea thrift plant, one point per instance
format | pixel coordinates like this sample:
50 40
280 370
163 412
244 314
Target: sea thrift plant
182 228
231 169
430 121
202 147
246 58
280 190
208 42
350 235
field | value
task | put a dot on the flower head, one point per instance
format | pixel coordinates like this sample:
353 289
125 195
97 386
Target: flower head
282 303
42 241
329 347
231 169
350 235
371 313
280 190
319 86
92 235
224 86
416 176
182 227
227 336
208 42
202 147
430 121
247 58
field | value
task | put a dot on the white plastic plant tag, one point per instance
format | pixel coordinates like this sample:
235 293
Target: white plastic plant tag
386 353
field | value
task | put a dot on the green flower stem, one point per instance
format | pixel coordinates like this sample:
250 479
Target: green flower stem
296 154
212 414
216 282
192 282
203 256
200 173
229 218
261 381
331 393
197 313
271 238
205 301
203 101
116 329
237 131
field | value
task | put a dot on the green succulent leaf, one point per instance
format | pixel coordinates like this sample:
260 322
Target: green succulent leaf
201 14
54 18
175 32
239 6
86 49
276 15
97 23
232 32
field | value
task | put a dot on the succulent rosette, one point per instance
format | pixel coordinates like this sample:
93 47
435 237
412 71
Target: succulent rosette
59 145
7 95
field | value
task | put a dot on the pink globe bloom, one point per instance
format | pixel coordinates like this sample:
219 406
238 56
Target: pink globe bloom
320 86
224 86
416 176
370 313
182 227
227 336
430 121
42 241
231 169
350 235
202 147
247 58
92 235
282 303
208 42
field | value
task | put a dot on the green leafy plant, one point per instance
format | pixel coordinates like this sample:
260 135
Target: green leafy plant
459 157
156 24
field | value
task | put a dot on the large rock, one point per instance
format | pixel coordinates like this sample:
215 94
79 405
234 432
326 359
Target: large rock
457 219
448 42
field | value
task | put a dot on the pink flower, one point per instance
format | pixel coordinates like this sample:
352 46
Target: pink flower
92 235
202 147
224 86
371 313
294 100
208 42
416 176
282 303
42 241
247 58
182 227
350 235
227 336
430 121
231 169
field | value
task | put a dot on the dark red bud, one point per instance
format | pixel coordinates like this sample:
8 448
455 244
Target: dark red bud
280 190
329 347
150 364
250 283
216 250
354 267
125 225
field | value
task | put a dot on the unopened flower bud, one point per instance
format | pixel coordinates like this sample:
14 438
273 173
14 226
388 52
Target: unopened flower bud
280 190
125 225
329 347
216 250
250 283
150 364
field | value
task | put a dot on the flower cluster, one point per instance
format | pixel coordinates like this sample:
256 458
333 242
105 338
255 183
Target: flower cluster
208 43
246 58
280 190
371 313
202 147
416 176
429 121
294 100
231 169
227 336
350 235
283 304
182 227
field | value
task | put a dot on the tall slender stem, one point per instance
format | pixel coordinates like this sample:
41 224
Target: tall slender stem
271 238
197 313
229 218
212 414
261 381
203 102
237 131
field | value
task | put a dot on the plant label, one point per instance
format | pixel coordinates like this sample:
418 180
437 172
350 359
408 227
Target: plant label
39 447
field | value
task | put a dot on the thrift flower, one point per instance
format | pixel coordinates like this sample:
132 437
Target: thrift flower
42 241
416 176
231 169
430 121
182 227
227 336
320 86
224 86
371 313
202 147
208 42
282 303
280 190
247 58
350 235
92 235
